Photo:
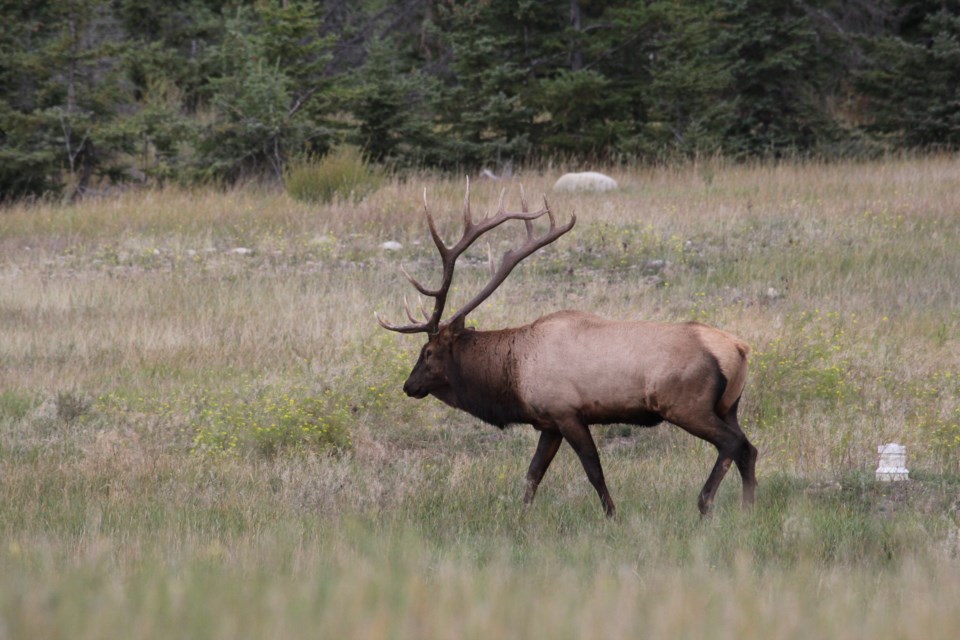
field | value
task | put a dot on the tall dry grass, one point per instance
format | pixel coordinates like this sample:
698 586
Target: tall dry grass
155 346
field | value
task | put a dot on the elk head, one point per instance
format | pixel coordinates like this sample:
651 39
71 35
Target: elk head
431 373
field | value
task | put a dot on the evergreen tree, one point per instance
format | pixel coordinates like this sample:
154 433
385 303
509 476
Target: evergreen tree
496 49
778 63
173 43
392 108
268 93
61 88
913 81
94 91
691 78
579 114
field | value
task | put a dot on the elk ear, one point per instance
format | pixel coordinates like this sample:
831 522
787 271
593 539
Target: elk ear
459 325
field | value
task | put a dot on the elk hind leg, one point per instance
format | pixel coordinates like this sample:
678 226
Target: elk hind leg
747 464
746 458
729 444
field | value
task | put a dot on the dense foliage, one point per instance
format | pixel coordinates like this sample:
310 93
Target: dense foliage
95 92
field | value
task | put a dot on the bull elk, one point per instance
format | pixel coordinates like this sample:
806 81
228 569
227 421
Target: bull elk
571 369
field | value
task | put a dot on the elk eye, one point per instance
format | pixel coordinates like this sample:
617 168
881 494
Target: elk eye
428 352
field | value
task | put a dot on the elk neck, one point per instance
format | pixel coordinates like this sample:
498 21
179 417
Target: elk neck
483 379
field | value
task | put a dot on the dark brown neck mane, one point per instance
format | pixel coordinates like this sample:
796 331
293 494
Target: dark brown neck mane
483 379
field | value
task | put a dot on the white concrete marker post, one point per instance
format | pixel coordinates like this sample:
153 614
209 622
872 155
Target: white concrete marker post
893 463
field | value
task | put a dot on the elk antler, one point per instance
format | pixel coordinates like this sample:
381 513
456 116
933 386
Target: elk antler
471 232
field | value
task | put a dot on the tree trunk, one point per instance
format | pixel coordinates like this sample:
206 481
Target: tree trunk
72 65
576 53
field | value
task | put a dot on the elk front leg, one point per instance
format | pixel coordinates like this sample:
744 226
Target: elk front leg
578 435
546 449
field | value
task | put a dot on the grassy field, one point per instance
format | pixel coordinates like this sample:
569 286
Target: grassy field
203 434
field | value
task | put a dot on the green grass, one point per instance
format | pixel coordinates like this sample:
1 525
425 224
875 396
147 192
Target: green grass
207 443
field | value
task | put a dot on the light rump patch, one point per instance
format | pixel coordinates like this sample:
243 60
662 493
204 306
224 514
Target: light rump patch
731 354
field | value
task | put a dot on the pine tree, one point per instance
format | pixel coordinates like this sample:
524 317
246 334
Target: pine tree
61 88
390 102
268 92
913 79
496 51
778 63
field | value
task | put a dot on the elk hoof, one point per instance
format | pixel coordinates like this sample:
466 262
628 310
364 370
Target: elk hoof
704 504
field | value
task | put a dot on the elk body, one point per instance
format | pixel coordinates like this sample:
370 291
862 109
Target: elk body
569 370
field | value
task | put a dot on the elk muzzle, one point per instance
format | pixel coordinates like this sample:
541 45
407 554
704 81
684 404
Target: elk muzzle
414 390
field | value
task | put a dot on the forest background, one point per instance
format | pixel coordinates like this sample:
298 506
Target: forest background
95 93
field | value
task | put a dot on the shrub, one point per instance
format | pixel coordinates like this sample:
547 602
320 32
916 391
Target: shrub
808 366
935 413
342 174
71 405
271 421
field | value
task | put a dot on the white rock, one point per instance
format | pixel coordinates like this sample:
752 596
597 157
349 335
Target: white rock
391 245
241 251
585 181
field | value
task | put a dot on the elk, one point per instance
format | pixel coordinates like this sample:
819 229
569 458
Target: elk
568 370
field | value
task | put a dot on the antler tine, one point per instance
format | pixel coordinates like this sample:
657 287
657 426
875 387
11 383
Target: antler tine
429 326
546 205
528 224
472 230
430 321
467 218
406 307
407 328
437 240
449 255
500 202
433 293
514 256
